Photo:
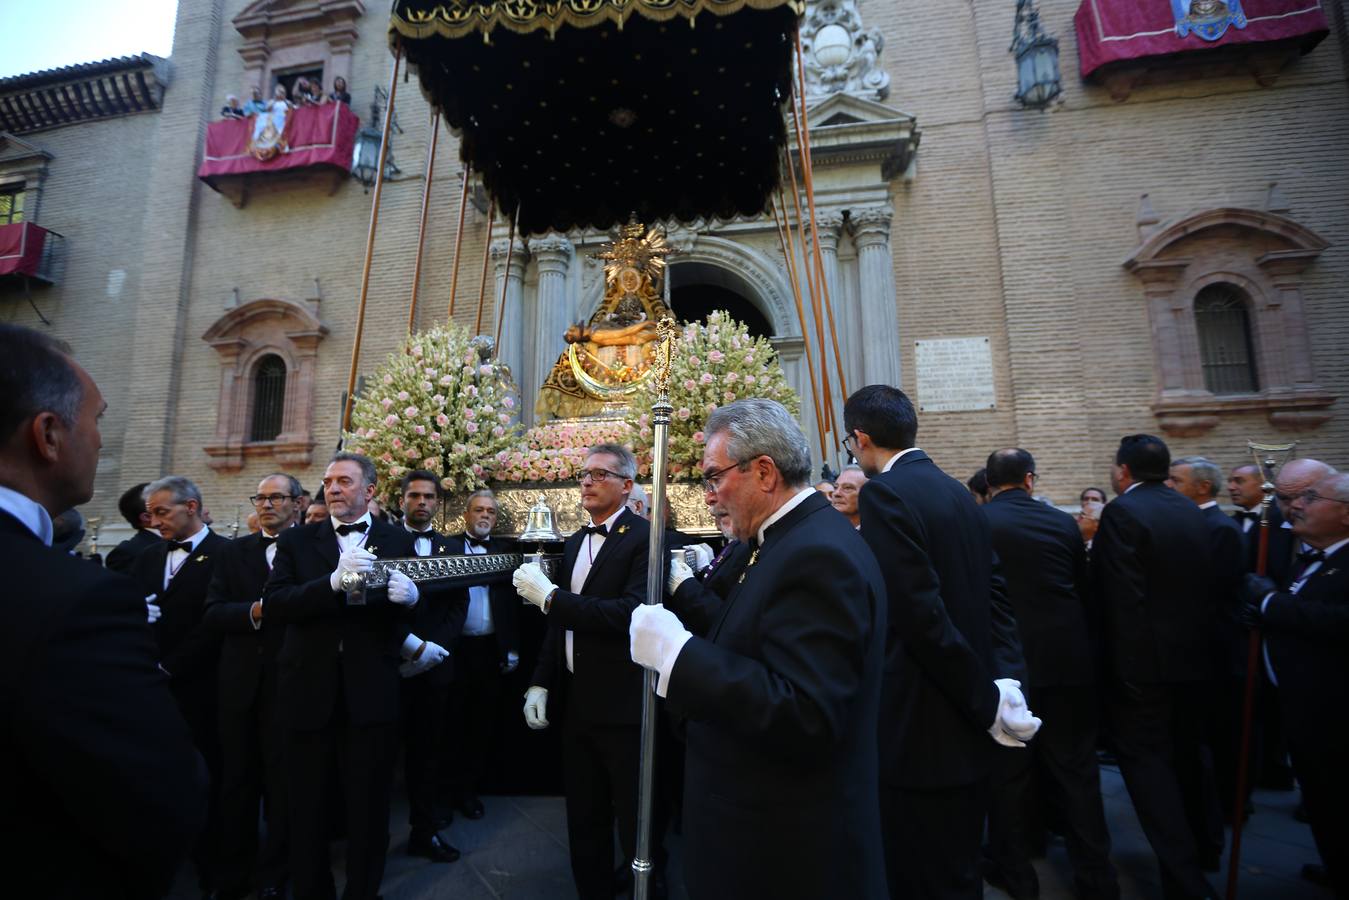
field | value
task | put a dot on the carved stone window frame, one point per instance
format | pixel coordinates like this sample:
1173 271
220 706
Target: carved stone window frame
280 36
241 338
1263 253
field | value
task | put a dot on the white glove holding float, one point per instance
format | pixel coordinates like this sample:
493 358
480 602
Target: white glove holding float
353 559
536 707
655 638
679 573
1014 723
703 556
432 655
531 584
403 590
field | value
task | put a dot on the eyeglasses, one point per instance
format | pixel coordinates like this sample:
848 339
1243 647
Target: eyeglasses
596 475
1310 496
274 499
850 436
711 478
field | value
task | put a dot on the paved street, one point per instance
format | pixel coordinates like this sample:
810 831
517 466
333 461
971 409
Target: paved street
519 851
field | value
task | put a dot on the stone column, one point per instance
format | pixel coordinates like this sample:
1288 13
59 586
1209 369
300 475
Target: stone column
553 254
879 320
846 324
516 323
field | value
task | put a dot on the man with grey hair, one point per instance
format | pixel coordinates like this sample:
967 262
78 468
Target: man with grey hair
846 488
104 792
584 659
1306 632
638 503
782 693
175 575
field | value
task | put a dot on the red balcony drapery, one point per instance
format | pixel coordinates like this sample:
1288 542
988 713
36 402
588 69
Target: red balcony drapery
21 248
314 136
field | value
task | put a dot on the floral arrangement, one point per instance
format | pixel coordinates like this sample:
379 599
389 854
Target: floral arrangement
715 362
556 451
440 403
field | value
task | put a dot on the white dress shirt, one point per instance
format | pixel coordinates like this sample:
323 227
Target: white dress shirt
478 622
1208 505
894 459
174 560
580 570
421 544
351 538
31 514
796 500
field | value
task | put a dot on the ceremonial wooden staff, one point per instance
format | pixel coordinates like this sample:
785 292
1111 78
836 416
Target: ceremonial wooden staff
655 593
1266 461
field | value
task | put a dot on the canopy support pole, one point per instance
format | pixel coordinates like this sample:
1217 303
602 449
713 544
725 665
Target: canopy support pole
827 398
370 244
506 281
486 257
459 240
421 229
789 252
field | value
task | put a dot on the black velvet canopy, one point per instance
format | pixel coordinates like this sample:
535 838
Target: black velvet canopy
583 112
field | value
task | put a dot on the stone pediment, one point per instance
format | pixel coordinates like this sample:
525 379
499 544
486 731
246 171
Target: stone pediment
845 128
264 16
16 150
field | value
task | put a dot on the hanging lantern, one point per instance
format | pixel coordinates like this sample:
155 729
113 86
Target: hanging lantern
579 114
1037 59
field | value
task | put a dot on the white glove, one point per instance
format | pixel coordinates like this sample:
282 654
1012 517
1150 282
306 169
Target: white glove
679 573
702 555
511 664
432 655
656 636
1014 724
403 590
353 559
532 584
153 612
536 707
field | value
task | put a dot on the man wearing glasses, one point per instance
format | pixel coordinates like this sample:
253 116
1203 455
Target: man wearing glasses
175 575
253 766
1306 631
584 662
782 691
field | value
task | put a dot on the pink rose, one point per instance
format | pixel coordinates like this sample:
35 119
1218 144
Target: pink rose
417 350
498 431
706 378
684 412
426 386
695 361
388 379
729 397
398 443
412 453
750 379
689 384
698 437
435 436
472 427
716 356
410 412
442 420
421 429
469 414
446 381
386 403
508 402
403 395
390 420
484 370
731 377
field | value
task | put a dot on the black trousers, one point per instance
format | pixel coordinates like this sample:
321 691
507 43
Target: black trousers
1319 764
198 703
474 708
600 766
253 772
1157 731
423 706
1061 763
932 840
365 757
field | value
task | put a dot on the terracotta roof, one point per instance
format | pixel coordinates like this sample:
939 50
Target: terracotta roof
96 90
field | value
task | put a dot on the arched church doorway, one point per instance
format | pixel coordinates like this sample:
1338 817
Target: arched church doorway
697 289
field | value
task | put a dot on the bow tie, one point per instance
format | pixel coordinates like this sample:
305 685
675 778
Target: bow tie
185 546
354 526
475 542
1306 557
266 538
1246 514
601 530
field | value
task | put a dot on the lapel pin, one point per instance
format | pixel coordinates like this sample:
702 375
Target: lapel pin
622 529
201 558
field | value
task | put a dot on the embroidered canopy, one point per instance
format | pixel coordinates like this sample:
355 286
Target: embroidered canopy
582 112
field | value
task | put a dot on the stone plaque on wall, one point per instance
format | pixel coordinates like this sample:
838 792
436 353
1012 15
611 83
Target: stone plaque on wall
954 374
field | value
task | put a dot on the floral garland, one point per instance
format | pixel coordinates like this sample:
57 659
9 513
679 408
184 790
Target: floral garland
440 403
715 363
556 451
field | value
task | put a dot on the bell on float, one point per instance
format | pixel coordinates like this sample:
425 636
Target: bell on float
539 524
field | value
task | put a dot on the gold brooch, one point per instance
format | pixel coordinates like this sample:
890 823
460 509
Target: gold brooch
753 558
622 529
201 558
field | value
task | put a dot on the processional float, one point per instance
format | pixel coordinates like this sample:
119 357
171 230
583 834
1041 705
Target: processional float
574 114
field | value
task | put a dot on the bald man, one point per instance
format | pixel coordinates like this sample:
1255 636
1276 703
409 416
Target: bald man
1296 476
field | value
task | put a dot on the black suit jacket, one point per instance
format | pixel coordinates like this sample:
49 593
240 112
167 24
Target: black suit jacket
1227 549
95 759
1151 568
247 655
1283 547
782 698
1307 635
501 595
327 640
1044 564
698 603
607 686
951 629
439 614
124 554
189 650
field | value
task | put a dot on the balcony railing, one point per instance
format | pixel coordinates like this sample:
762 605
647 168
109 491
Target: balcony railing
31 251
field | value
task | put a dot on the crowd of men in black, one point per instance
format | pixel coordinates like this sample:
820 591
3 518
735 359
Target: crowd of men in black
846 702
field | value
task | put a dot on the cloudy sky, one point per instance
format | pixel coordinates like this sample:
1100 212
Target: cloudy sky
43 35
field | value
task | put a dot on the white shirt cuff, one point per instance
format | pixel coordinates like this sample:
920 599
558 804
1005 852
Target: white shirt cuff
667 666
410 645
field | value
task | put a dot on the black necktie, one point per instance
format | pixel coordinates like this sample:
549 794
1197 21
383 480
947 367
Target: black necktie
601 530
354 526
185 546
474 542
1305 560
